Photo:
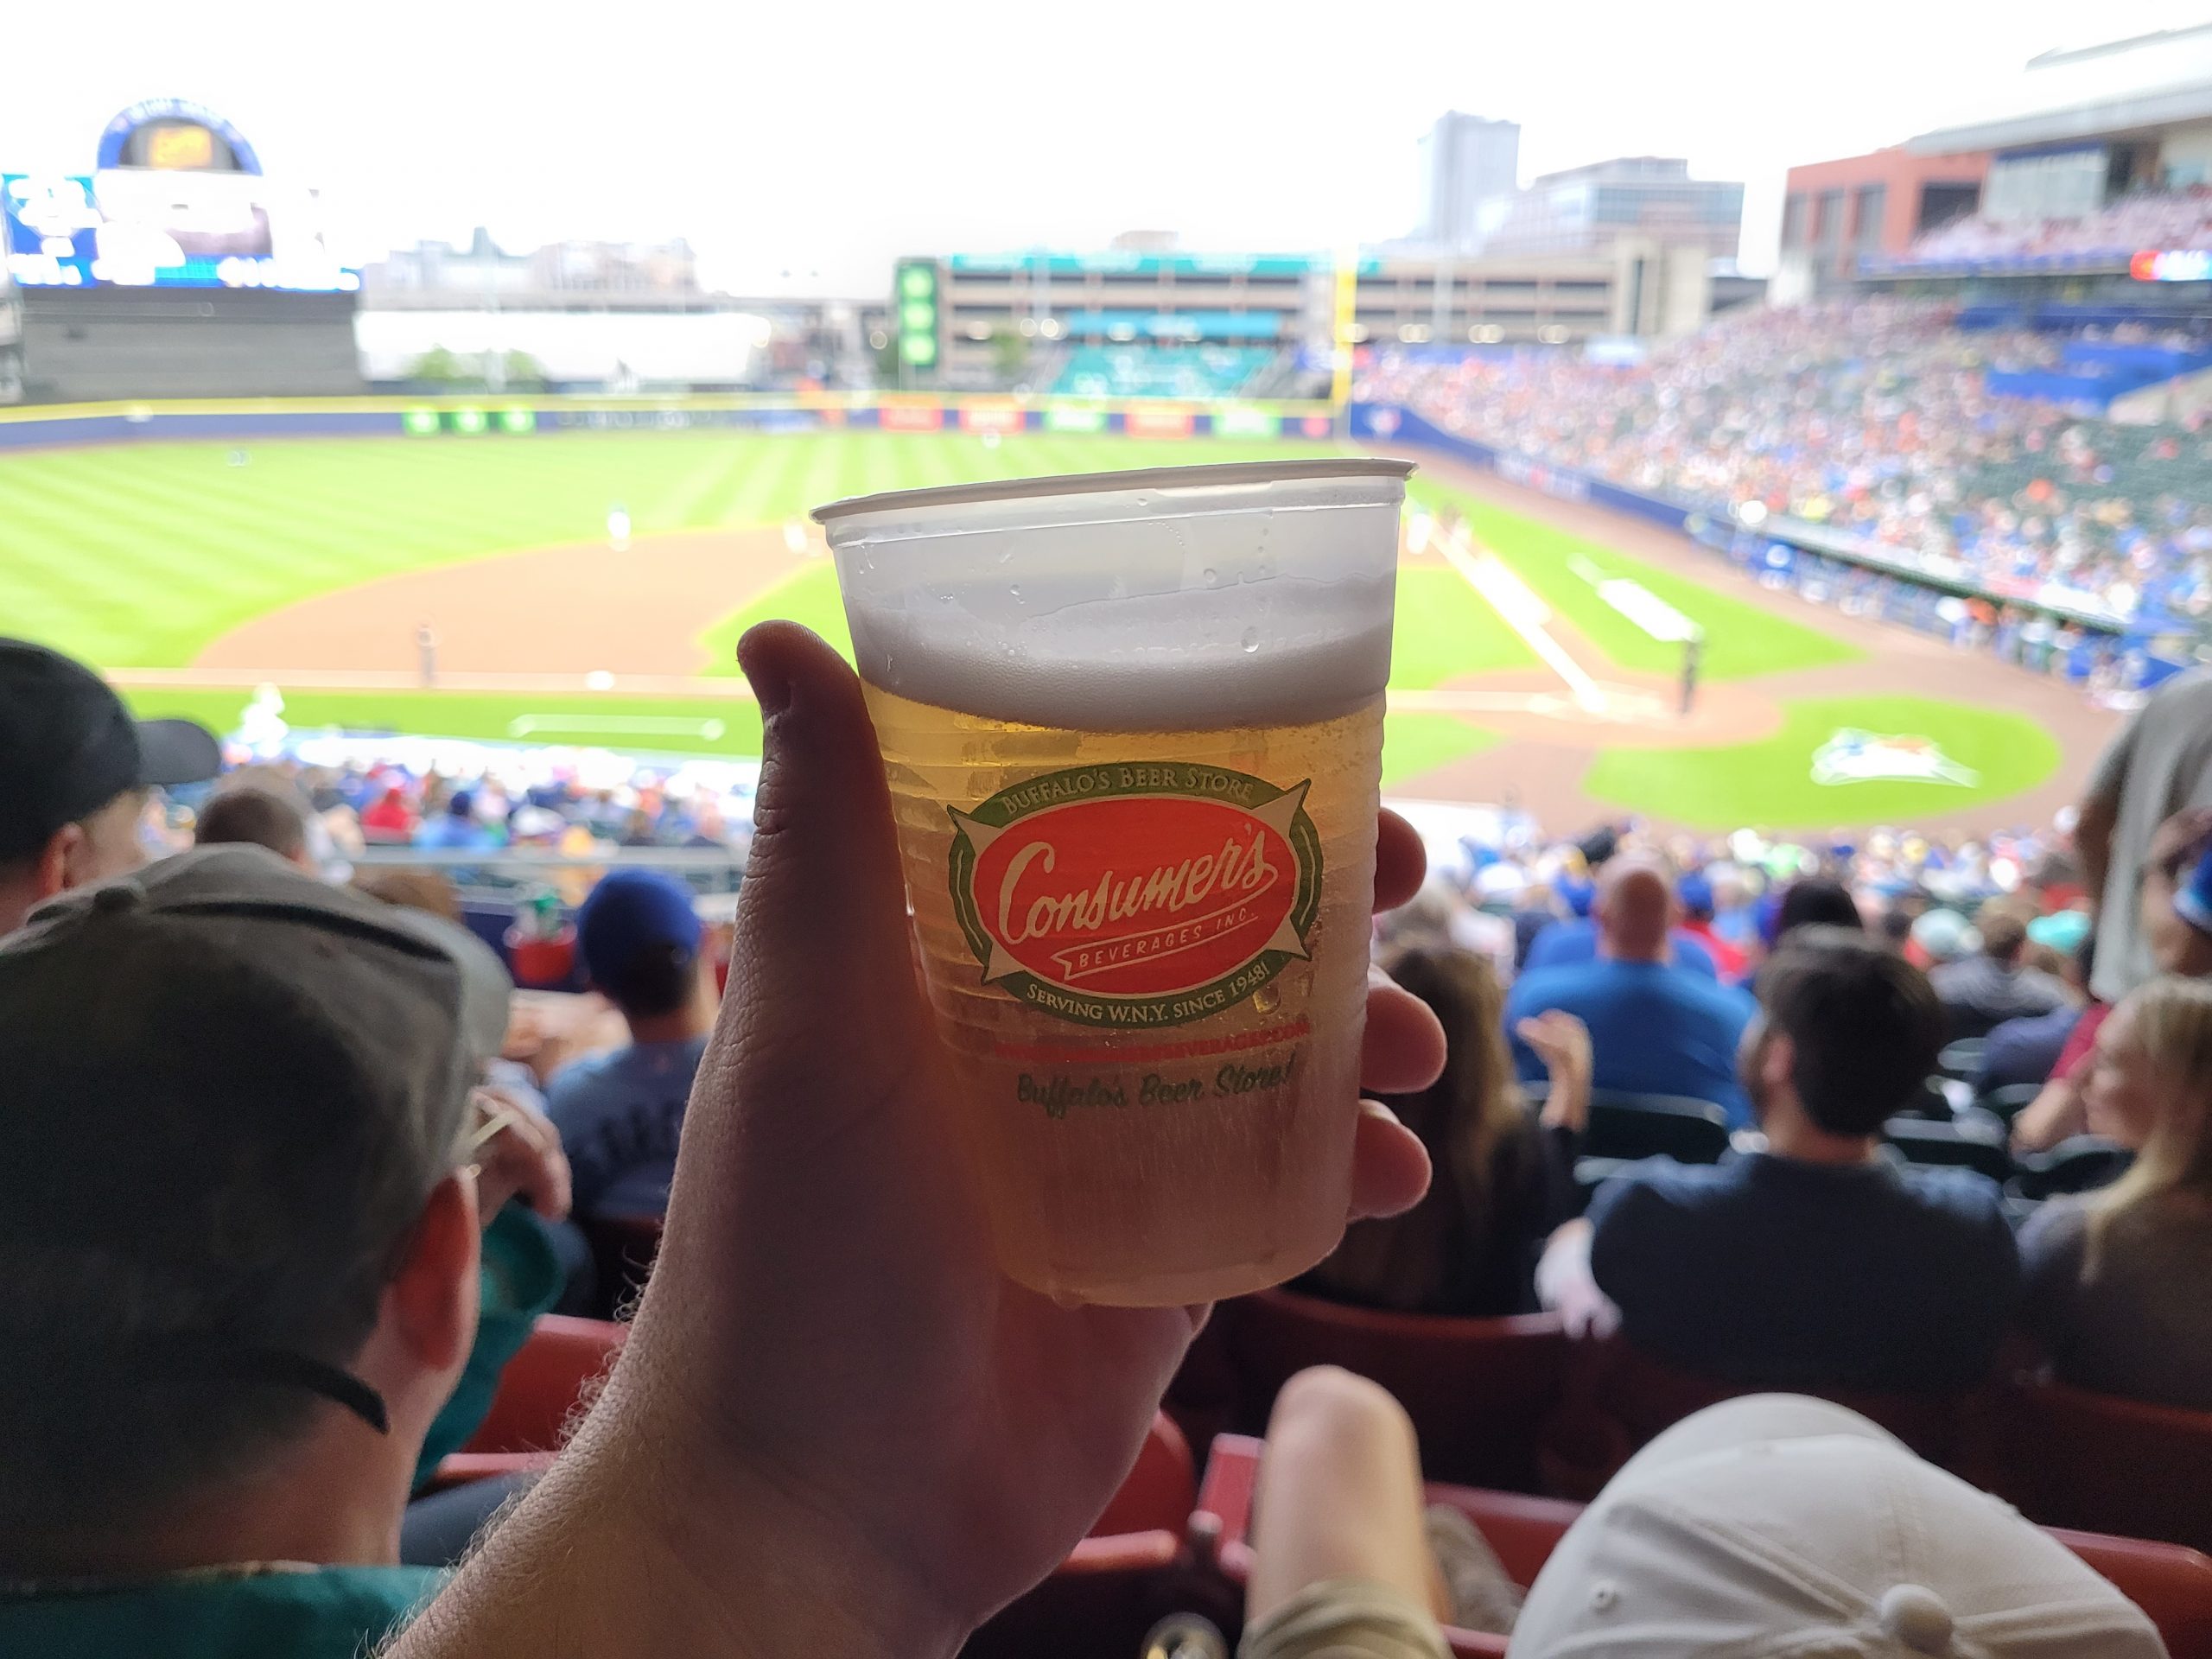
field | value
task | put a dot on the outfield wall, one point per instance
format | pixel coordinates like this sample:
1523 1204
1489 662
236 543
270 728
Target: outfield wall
478 414
1792 539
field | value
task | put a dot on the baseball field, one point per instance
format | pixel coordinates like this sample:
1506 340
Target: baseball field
1536 659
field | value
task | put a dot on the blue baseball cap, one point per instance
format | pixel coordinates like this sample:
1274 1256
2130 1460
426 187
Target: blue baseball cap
2193 900
1695 891
1578 893
629 912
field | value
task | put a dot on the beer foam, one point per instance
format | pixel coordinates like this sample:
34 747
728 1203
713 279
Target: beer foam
1283 653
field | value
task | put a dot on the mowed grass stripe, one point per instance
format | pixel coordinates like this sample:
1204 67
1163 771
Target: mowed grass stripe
1742 639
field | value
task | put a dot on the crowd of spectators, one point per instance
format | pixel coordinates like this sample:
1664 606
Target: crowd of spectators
281 1204
1869 416
2158 220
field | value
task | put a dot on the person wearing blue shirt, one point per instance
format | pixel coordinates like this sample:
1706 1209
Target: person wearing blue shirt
1655 1028
621 1113
1822 1261
1564 943
456 827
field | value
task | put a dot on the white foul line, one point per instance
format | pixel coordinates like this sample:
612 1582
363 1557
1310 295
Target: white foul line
1524 613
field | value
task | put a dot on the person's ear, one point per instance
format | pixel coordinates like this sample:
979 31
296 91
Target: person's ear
1778 1060
430 1302
54 865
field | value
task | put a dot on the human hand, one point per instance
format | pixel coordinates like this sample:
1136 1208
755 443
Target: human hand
1566 1285
827 1358
518 1153
1562 1043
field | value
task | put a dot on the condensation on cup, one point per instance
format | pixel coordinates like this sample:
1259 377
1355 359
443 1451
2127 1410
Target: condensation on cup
1133 726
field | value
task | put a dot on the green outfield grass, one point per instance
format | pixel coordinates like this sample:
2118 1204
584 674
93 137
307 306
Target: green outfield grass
1741 640
139 556
1444 628
808 595
723 726
1770 783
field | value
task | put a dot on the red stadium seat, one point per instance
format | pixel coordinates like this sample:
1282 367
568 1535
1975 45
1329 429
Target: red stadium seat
2069 1458
1622 1397
2172 1584
1477 1390
544 1382
1132 1571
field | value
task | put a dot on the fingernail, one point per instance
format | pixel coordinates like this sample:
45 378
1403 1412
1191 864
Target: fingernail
1376 1108
772 688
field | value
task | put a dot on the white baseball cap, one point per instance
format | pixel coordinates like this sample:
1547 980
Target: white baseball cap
1776 1526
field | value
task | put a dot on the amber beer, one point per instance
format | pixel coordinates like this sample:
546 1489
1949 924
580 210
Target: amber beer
1139 845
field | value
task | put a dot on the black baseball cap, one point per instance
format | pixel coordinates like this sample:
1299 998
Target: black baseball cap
68 747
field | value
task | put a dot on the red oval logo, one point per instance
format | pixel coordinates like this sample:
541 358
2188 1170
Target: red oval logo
1136 894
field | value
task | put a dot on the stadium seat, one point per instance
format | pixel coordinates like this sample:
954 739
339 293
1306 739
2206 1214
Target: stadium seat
1620 1397
1591 1173
2069 1458
1132 1569
2172 1584
1477 1390
1962 1060
545 1382
1655 1126
553 1373
1973 1139
2080 1164
2009 1101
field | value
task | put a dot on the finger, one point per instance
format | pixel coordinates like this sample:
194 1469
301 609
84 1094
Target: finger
1401 861
556 1191
1403 1048
1389 1167
821 921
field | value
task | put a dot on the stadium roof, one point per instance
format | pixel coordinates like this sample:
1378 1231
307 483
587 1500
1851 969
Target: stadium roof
2136 85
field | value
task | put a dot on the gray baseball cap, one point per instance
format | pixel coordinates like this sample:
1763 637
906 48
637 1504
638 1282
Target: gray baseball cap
229 1088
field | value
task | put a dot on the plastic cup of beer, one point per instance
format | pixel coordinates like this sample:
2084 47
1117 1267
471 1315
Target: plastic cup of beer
1133 724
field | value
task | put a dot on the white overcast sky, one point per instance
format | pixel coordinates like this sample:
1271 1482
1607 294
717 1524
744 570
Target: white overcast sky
801 146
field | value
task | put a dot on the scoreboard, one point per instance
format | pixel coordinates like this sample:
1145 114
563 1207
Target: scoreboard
177 199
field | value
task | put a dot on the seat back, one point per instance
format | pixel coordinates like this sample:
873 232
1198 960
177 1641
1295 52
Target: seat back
1962 1058
1656 1126
545 1381
2080 1164
1621 1397
2068 1458
2008 1101
1160 1490
1476 1388
1973 1140
2170 1583
1131 1570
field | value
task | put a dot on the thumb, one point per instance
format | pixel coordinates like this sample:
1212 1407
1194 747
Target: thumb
820 966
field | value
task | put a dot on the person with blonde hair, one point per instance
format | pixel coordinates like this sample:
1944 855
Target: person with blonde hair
2115 1278
1502 1178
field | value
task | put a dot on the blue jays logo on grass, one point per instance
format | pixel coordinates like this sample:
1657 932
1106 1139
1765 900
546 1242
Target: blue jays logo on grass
1852 756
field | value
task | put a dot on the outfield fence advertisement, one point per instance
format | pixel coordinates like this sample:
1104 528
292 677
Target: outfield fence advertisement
480 414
